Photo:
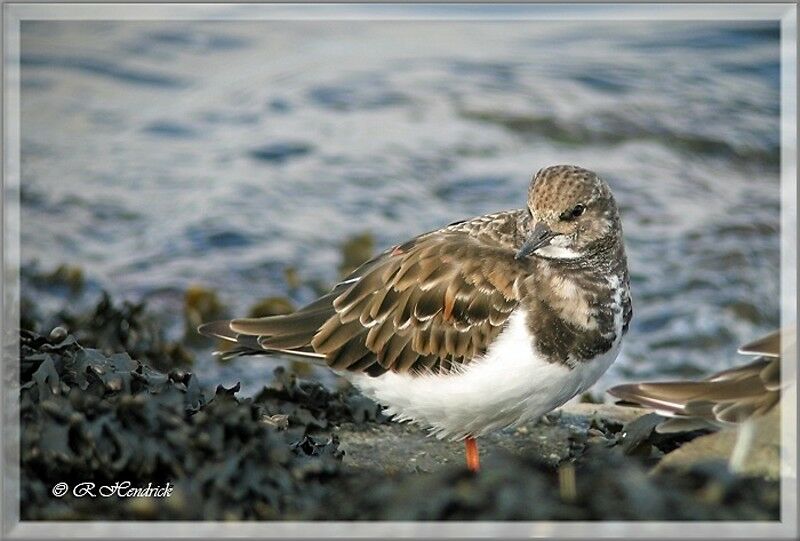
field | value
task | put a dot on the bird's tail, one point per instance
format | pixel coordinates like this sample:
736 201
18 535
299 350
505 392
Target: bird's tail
248 344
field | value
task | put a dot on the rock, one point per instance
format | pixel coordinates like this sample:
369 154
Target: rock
763 458
399 447
68 276
602 484
148 427
292 278
271 306
58 334
611 412
126 326
355 251
201 305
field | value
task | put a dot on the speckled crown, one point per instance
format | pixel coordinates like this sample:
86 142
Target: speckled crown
556 186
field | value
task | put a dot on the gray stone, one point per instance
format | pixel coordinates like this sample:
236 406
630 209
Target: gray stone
400 447
762 459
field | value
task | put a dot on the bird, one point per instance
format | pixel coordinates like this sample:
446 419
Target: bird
732 398
481 325
723 399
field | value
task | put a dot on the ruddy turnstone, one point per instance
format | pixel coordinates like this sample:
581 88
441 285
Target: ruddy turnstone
721 400
733 398
480 325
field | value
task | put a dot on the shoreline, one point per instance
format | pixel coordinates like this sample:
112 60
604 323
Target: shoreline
107 417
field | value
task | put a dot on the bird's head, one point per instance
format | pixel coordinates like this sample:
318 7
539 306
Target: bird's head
572 215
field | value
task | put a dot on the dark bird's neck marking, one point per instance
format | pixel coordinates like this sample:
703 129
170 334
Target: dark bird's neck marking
576 313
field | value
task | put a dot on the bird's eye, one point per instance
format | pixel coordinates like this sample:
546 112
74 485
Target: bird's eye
576 211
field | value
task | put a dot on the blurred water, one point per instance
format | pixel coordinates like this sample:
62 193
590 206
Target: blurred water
158 155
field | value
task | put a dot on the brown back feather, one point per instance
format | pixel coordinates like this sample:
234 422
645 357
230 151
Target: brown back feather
429 304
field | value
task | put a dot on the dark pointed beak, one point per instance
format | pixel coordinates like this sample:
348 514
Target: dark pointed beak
540 236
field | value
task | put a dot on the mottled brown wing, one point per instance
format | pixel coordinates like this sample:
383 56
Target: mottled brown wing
434 302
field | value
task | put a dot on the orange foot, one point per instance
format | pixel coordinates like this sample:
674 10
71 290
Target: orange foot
473 458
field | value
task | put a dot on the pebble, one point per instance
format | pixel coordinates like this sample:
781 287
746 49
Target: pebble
58 334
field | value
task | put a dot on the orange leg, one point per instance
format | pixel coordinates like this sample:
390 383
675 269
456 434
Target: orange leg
473 459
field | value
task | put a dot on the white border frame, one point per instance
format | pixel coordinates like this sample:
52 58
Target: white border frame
14 13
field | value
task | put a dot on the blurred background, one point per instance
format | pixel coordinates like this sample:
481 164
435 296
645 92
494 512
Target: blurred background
223 168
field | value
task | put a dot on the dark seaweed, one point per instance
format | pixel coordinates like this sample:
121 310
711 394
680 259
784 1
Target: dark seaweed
89 417
115 327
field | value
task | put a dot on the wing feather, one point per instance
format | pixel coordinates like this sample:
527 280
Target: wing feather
429 304
729 396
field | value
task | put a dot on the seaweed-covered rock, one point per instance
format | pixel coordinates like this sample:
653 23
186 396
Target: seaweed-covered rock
608 486
271 306
117 327
311 404
200 305
90 417
68 277
355 251
640 437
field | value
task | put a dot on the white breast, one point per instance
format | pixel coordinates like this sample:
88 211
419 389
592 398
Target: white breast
511 384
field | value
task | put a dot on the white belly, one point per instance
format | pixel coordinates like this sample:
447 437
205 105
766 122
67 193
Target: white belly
511 384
